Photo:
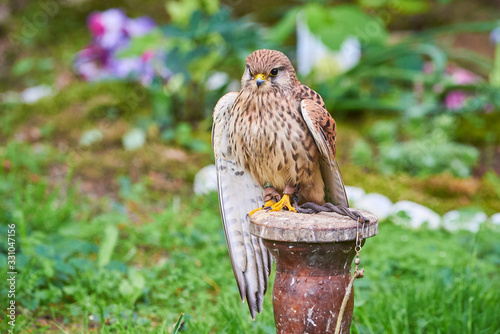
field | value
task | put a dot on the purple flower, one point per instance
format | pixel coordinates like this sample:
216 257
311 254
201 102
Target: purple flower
139 26
111 32
112 29
455 100
107 28
124 68
495 36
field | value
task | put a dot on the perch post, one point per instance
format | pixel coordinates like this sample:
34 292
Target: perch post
313 256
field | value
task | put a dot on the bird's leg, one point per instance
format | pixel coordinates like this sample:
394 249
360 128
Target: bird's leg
270 197
285 200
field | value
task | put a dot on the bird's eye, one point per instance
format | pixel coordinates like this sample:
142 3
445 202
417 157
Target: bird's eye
274 72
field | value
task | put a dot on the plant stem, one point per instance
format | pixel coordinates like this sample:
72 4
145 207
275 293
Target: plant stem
495 75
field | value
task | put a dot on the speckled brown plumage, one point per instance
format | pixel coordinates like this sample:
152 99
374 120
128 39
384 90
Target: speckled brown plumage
277 132
268 133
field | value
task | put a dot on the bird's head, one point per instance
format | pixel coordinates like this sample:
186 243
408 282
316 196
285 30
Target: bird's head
267 71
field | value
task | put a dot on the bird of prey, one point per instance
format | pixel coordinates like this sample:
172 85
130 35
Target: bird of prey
273 137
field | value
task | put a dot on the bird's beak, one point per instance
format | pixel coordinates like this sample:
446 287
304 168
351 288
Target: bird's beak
260 79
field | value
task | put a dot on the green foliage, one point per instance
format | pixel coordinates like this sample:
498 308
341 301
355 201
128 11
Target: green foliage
362 154
178 324
385 79
183 135
30 68
426 148
107 245
334 24
112 266
428 156
210 42
202 39
407 7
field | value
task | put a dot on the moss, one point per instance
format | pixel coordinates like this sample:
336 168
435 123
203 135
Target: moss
165 168
78 106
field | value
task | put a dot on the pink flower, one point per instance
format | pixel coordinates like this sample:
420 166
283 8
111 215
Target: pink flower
148 55
455 100
95 25
461 76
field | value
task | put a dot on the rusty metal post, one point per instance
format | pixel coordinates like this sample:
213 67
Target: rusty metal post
313 256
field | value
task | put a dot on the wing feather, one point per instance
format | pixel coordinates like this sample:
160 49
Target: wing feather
322 127
238 195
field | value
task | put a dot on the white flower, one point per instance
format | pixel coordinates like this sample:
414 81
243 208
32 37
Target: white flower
417 214
134 139
205 180
313 53
377 204
217 80
354 194
91 136
462 219
33 94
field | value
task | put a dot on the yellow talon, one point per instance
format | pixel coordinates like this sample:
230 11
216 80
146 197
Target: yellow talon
269 203
283 203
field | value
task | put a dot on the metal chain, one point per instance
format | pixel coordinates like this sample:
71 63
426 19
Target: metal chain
357 248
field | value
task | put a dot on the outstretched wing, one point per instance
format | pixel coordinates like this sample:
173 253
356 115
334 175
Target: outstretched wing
238 195
322 127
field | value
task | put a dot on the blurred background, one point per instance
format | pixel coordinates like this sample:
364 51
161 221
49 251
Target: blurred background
106 163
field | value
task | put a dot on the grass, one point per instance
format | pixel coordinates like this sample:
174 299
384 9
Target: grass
135 261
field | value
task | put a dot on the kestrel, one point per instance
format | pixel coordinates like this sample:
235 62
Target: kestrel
273 137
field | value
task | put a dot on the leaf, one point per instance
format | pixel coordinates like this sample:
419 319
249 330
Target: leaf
334 25
125 288
133 287
23 66
138 280
154 40
413 7
181 11
108 244
178 324
285 27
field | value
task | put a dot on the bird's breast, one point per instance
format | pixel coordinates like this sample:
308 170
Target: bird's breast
272 141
